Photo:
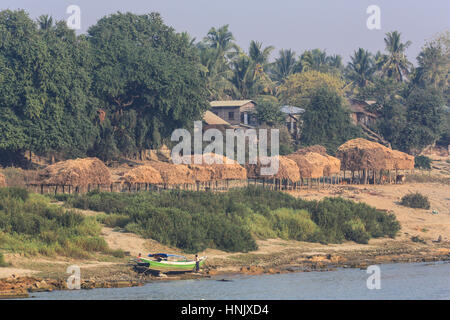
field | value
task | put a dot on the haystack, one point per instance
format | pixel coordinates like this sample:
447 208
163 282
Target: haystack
333 165
228 170
142 174
78 172
316 149
173 173
402 161
287 169
222 167
202 173
2 180
359 154
311 165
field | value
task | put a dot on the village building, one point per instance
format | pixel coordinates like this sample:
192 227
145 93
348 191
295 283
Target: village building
360 114
236 112
293 119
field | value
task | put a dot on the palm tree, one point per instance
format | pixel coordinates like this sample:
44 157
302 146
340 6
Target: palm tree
361 67
396 65
222 40
217 73
434 66
313 60
258 54
335 63
284 65
260 60
45 22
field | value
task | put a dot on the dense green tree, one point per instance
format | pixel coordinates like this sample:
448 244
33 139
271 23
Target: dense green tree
424 115
269 112
45 105
326 121
144 70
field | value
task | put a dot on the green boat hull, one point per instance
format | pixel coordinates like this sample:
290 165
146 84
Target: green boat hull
172 265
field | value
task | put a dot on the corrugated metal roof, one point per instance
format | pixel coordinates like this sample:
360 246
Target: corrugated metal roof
292 110
230 103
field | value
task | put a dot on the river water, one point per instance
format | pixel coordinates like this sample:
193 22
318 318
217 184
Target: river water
398 281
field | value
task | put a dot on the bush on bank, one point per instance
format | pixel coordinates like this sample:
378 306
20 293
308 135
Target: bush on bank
232 221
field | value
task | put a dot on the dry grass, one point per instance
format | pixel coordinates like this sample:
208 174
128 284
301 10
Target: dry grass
311 165
77 172
142 174
359 154
2 180
287 169
173 174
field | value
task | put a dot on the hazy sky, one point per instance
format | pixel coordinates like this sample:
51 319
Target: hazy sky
339 26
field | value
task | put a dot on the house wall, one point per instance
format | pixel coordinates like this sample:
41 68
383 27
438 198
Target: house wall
223 112
238 113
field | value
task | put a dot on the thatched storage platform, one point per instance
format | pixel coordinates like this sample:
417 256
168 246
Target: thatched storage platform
142 175
287 170
77 172
222 167
173 174
333 166
202 173
361 154
402 161
311 165
2 180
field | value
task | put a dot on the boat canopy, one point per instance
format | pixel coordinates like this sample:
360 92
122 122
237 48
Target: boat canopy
165 255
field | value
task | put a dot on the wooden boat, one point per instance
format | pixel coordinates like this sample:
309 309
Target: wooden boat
168 262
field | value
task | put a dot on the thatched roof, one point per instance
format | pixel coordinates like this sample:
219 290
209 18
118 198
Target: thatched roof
77 172
2 180
142 174
358 154
311 165
173 173
287 169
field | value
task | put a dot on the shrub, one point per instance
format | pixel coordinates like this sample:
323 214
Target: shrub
3 263
415 200
422 162
231 221
294 224
14 192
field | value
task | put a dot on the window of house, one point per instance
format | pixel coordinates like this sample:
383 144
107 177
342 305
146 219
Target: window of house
231 115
